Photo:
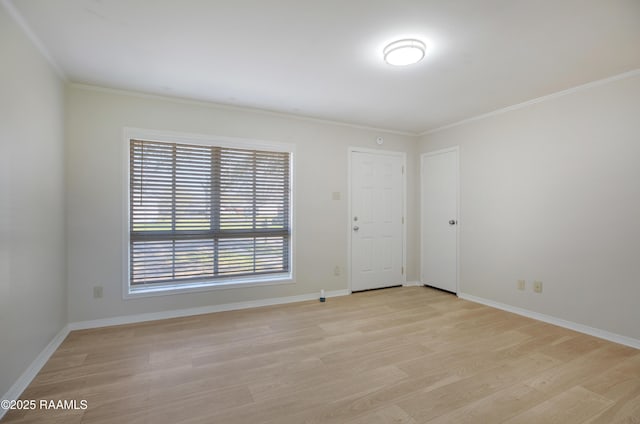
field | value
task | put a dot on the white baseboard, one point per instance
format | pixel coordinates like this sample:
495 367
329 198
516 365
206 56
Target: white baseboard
29 374
412 284
32 370
596 332
153 316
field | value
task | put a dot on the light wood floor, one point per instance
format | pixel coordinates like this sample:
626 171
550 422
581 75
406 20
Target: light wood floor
402 355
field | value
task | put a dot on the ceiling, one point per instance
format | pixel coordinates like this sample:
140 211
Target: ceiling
323 58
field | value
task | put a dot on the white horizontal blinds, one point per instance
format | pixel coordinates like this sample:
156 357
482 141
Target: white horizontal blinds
253 202
206 212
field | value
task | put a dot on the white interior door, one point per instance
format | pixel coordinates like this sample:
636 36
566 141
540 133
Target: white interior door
439 219
377 208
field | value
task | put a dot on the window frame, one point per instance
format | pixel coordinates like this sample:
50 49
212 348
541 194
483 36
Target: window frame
163 289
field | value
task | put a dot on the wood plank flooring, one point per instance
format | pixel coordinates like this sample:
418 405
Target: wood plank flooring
401 355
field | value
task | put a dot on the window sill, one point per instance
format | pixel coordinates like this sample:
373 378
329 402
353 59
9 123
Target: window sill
204 286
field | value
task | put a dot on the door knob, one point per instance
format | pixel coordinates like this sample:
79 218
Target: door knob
452 222
356 228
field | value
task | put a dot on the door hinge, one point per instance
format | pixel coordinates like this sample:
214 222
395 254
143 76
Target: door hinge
402 271
402 169
403 219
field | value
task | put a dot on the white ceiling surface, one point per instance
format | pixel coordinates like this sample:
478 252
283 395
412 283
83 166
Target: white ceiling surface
323 58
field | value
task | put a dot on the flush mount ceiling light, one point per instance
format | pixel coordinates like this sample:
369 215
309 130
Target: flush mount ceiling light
404 52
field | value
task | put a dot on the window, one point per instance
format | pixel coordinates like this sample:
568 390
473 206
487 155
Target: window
206 215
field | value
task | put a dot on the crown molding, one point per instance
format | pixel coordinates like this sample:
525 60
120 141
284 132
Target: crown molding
35 40
578 88
222 106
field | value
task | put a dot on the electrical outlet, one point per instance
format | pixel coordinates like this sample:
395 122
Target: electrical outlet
97 292
336 271
521 284
537 286
336 195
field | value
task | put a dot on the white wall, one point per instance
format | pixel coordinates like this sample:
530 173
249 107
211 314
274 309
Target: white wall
32 249
551 192
95 122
